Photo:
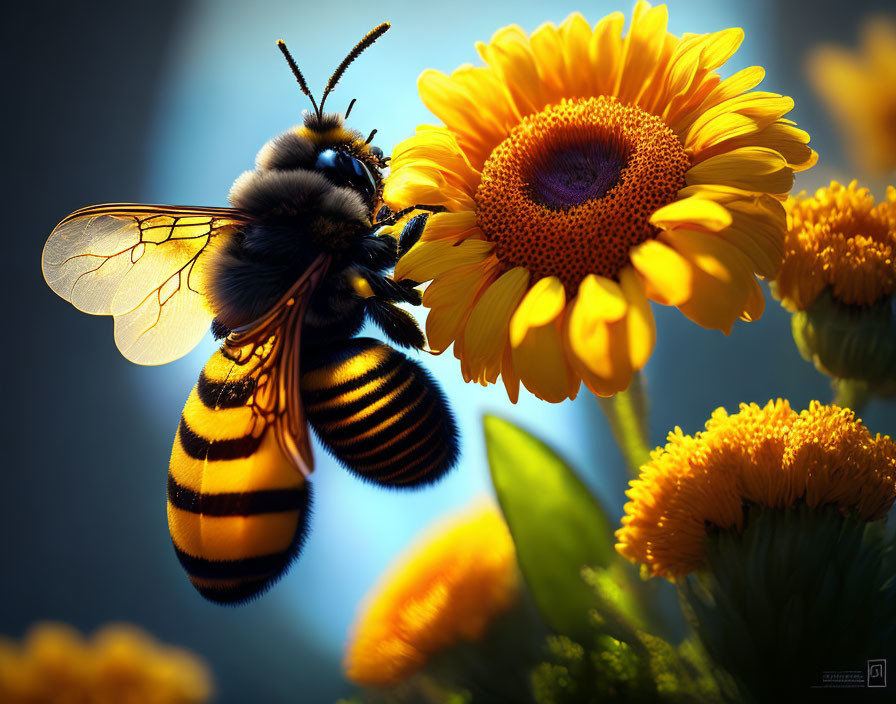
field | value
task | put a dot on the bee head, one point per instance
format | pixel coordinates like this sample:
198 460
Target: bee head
323 144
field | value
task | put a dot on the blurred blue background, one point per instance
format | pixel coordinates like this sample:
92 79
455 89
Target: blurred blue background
168 103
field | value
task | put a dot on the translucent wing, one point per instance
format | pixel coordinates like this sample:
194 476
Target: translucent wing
143 265
272 348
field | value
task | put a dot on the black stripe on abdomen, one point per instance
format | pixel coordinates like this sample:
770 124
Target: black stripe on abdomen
199 448
248 568
230 394
247 503
322 395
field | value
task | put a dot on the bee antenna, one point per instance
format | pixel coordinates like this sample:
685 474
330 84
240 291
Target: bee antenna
350 106
294 67
368 39
370 137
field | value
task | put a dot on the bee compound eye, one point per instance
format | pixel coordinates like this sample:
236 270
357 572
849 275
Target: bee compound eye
344 170
377 152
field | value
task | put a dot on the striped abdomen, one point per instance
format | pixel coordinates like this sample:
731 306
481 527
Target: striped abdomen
378 412
237 506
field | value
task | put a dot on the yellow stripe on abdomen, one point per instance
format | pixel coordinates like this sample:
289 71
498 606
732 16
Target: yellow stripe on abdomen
237 506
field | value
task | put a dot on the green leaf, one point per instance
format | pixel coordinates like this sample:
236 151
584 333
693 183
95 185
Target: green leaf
558 527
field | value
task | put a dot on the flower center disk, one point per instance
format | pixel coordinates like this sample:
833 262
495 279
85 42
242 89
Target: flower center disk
572 189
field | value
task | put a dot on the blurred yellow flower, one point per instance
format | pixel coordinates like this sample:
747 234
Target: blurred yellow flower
860 89
839 281
448 588
768 456
119 664
839 239
583 174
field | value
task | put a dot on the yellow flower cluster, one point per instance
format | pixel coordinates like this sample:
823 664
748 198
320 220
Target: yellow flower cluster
447 589
119 664
839 238
769 456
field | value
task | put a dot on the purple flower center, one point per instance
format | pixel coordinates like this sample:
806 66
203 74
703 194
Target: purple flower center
571 175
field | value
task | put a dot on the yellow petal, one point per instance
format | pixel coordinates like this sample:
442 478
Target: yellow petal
709 253
759 234
542 366
443 326
473 105
598 356
721 278
599 304
486 330
437 148
755 305
667 275
419 185
589 339
741 115
640 50
576 35
706 214
510 55
427 260
603 297
790 142
450 225
509 376
681 119
750 168
641 329
547 47
605 53
717 47
540 306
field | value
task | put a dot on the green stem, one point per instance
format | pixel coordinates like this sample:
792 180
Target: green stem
627 414
850 393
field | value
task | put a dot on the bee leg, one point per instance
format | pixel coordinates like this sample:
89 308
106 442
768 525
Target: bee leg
391 291
376 252
397 325
383 213
219 329
391 217
411 233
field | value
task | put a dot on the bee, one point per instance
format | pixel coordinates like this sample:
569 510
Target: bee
286 277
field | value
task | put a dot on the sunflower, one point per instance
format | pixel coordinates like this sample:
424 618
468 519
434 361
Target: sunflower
448 589
839 281
860 89
769 457
582 174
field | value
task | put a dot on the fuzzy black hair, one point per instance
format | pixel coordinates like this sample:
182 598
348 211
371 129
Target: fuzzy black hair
244 286
287 151
323 123
285 194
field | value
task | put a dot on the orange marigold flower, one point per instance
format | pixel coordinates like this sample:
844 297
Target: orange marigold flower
839 281
582 174
119 663
771 457
860 89
839 239
449 588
